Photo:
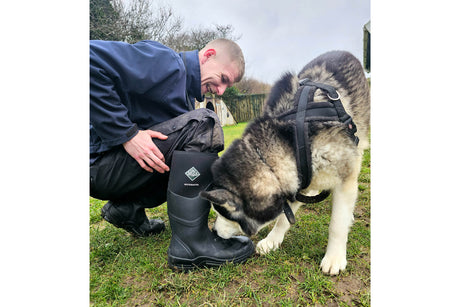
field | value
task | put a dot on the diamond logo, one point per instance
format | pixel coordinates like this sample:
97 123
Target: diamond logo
192 173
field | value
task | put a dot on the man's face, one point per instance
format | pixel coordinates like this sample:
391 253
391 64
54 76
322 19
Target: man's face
217 75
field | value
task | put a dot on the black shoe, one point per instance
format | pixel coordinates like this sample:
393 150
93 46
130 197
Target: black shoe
193 244
132 218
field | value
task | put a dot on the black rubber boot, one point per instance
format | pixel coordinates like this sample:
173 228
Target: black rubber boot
132 218
193 244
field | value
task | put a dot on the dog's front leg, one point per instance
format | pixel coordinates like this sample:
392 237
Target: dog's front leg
274 239
343 203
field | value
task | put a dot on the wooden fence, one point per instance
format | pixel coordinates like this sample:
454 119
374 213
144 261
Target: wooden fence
246 107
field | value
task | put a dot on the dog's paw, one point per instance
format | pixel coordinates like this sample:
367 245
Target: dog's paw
333 264
265 246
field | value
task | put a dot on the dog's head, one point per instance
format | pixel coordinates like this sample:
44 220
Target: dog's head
231 218
238 215
246 193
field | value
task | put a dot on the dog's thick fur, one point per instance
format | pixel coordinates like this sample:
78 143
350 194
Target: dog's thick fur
258 173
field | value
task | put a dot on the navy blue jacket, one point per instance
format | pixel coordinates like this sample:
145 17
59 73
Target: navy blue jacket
135 86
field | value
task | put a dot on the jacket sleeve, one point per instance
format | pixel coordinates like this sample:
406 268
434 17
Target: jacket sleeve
132 86
108 115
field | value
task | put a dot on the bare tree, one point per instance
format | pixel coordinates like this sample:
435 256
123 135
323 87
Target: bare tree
197 38
138 20
104 21
141 19
252 86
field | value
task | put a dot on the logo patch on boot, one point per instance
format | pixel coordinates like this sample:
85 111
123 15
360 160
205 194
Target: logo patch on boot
192 173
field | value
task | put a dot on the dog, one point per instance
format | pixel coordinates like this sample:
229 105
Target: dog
258 173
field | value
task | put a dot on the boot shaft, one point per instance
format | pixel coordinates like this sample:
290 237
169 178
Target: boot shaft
190 172
187 216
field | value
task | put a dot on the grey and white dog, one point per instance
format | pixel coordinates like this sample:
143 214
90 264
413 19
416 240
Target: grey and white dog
258 173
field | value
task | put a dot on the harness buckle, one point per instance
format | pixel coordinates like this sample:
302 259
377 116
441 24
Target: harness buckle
334 99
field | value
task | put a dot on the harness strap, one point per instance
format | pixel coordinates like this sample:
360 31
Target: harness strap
288 212
318 111
312 199
305 113
333 94
302 139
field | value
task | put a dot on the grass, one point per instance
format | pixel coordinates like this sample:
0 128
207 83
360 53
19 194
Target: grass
129 271
233 132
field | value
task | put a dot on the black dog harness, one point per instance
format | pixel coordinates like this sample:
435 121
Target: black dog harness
306 112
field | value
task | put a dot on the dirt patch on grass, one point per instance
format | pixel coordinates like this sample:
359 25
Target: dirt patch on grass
349 288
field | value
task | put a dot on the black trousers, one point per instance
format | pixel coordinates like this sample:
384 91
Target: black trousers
118 177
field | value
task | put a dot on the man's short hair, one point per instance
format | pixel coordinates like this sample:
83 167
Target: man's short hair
233 51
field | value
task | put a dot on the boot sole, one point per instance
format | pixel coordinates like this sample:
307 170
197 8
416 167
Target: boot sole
185 265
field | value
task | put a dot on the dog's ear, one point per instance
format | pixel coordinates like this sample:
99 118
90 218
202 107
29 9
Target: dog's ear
218 197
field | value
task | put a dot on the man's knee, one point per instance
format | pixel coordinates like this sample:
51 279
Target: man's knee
203 113
197 130
207 116
208 133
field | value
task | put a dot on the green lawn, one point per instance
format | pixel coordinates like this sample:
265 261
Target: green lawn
129 271
233 132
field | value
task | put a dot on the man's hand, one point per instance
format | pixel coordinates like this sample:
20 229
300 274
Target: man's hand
145 152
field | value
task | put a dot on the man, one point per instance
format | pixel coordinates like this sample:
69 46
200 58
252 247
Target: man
149 145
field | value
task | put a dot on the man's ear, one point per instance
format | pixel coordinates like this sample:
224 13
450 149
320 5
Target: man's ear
218 197
209 53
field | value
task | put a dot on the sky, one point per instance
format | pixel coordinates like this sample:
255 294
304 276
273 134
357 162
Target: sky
279 36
